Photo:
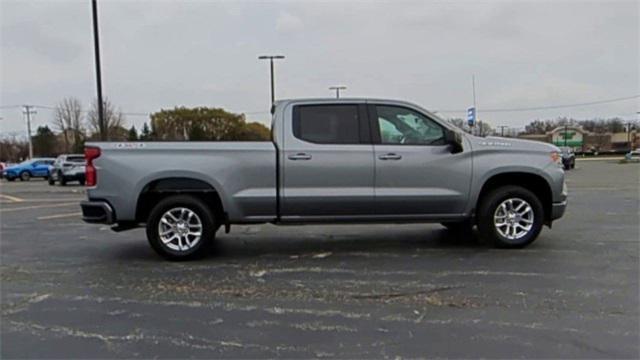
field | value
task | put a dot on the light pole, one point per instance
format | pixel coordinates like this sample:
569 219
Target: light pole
337 88
271 58
96 44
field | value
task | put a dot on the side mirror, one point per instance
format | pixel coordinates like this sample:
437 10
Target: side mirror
454 139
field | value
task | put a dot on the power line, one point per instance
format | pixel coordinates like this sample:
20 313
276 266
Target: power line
547 107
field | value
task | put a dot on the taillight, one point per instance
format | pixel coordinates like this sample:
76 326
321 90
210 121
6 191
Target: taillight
91 153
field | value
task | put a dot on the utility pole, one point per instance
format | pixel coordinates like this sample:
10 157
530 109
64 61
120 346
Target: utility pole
337 88
271 58
28 111
502 127
96 44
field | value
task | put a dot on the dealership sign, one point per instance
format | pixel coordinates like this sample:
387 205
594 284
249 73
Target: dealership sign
569 137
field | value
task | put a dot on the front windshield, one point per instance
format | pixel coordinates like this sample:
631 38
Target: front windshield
26 162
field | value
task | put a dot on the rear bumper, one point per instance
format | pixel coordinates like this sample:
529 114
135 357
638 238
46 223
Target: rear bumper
558 209
97 212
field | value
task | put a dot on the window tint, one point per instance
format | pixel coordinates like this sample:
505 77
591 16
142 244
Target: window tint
76 159
327 124
403 126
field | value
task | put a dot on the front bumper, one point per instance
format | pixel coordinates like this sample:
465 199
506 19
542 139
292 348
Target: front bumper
97 212
558 209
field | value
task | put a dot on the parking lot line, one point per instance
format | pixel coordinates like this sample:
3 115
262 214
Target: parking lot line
37 207
11 198
58 216
42 200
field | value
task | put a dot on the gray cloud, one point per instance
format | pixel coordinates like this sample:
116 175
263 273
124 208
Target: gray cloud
160 54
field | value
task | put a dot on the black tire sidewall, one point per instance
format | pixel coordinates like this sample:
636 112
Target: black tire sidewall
22 176
488 207
200 208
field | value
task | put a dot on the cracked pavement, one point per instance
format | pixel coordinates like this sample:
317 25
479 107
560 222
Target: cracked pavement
74 290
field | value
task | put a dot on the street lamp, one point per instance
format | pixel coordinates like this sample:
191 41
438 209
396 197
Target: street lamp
271 58
337 89
96 44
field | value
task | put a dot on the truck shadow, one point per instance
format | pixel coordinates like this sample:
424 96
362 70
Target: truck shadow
336 240
309 241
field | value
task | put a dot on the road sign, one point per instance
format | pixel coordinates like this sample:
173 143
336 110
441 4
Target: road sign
471 116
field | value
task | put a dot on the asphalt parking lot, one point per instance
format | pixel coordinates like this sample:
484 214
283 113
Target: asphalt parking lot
71 289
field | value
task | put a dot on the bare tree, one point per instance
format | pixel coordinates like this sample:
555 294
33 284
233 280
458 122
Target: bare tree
68 119
113 118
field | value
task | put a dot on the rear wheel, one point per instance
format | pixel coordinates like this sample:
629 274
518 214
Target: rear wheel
181 227
510 217
25 176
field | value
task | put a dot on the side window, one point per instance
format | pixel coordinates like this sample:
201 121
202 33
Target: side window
327 124
399 125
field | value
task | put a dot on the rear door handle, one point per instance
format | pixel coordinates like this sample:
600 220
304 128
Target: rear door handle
300 156
390 156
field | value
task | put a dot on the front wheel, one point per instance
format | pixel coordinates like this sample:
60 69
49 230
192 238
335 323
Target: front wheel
181 227
510 217
25 176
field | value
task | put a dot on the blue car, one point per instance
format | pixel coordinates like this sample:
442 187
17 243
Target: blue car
38 167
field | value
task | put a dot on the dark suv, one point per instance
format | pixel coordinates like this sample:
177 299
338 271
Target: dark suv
568 157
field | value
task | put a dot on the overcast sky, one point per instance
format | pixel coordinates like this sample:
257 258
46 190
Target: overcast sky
161 54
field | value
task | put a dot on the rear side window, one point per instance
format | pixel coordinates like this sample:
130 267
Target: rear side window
327 124
76 159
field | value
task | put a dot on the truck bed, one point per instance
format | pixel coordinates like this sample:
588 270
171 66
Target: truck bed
243 174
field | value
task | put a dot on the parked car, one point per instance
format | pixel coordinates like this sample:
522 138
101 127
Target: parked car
67 168
330 161
37 167
568 157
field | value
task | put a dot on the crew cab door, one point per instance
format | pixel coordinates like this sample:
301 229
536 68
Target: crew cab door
327 163
416 172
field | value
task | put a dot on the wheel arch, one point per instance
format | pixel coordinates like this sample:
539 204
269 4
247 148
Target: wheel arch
533 182
160 188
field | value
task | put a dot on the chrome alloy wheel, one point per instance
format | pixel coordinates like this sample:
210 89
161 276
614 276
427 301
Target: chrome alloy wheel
513 218
180 229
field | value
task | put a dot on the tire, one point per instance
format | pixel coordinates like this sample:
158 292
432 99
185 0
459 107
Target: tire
11 179
504 236
81 182
171 249
25 176
51 181
63 181
573 164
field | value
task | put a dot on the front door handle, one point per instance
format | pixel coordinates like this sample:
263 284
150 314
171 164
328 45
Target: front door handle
300 156
390 156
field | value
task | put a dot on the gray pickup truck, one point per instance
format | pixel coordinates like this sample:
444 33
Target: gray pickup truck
329 161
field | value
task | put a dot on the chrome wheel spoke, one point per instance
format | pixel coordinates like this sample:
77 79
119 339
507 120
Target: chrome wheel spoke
180 229
513 218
